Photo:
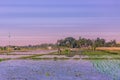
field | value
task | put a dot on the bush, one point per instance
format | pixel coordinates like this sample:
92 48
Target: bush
67 51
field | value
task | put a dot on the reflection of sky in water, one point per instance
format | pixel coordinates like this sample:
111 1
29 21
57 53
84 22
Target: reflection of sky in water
49 70
108 67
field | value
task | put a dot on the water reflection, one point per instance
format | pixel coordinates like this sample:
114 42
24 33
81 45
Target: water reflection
108 67
49 70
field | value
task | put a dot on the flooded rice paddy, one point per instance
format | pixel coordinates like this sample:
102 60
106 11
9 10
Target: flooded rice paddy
60 70
14 55
73 68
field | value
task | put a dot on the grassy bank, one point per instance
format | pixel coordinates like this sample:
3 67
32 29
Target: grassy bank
101 54
75 54
85 55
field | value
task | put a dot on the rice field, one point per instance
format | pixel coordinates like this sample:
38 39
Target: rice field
50 70
89 65
108 67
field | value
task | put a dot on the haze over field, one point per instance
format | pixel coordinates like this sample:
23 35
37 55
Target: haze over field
46 21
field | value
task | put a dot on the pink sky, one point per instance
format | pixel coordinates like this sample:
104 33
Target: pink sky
33 40
46 21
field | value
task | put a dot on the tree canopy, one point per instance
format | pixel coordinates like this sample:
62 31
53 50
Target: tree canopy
71 42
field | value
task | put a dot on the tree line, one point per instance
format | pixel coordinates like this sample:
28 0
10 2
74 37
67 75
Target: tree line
71 42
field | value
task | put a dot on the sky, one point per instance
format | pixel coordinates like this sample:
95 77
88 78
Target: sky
46 21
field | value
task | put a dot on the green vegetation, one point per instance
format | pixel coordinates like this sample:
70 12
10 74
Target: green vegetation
108 67
71 42
101 55
47 74
4 59
1 60
68 42
91 53
69 47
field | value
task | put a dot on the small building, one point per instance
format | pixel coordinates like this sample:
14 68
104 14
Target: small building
49 47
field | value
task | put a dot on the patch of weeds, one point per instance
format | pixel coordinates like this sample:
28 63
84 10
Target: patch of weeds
1 60
111 52
47 74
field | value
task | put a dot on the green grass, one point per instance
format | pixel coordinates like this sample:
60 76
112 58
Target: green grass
67 53
94 53
4 59
112 52
91 55
1 60
85 54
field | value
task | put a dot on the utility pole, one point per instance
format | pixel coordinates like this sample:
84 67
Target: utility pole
9 36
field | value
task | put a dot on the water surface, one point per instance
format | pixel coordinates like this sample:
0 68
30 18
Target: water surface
51 70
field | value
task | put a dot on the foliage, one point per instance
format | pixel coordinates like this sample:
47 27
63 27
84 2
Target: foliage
67 51
71 42
68 42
